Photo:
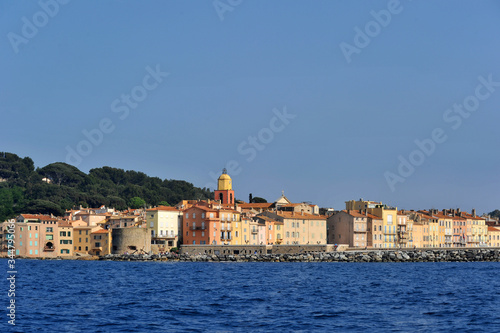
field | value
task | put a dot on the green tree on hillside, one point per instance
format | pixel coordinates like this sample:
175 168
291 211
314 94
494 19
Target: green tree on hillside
136 202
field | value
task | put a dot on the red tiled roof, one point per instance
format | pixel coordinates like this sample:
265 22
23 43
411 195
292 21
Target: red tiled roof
166 208
256 205
38 216
305 216
101 231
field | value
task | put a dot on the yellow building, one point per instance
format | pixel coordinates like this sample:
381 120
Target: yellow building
445 229
477 230
245 234
387 214
65 246
164 224
81 236
301 228
493 237
100 242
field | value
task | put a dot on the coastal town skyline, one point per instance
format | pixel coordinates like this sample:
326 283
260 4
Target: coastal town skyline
342 105
213 224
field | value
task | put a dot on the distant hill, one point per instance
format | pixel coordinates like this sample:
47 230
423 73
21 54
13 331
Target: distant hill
23 190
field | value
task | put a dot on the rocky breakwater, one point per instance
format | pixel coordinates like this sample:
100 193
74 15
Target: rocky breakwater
452 255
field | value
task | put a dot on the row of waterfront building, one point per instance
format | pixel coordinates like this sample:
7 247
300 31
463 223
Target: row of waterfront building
363 224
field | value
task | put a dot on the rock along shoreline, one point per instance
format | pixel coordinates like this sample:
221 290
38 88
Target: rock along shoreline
450 255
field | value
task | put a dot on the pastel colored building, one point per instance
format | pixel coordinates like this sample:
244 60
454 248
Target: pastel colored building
82 236
402 230
301 228
386 213
65 231
375 233
201 226
100 242
493 236
163 223
349 227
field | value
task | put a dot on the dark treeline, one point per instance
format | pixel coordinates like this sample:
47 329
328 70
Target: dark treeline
23 191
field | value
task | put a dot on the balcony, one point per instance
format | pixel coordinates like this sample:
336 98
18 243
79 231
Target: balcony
198 227
254 231
224 228
49 248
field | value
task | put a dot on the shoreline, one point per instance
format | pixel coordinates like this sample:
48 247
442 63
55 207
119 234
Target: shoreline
438 255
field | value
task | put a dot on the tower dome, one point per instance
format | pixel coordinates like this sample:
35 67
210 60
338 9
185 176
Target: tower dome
225 182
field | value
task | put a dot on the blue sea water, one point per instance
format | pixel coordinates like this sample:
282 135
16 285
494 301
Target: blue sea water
105 296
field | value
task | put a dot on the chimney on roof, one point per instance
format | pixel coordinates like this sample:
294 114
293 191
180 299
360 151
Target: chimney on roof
366 212
474 212
250 198
458 210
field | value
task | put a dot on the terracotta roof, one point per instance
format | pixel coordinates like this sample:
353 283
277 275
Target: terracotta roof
200 207
490 229
101 231
304 216
165 208
268 219
354 213
374 217
38 216
256 205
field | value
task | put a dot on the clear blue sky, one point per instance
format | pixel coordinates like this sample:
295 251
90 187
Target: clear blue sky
352 119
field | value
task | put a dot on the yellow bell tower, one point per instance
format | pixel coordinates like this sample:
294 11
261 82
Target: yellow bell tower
224 192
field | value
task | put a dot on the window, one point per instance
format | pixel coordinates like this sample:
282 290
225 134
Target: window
80 232
194 233
36 235
49 229
211 214
97 244
203 234
187 215
36 251
62 233
49 237
202 215
194 215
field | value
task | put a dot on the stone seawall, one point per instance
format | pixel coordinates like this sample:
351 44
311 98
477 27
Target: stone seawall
455 255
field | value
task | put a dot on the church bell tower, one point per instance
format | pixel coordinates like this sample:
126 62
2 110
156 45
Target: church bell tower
224 192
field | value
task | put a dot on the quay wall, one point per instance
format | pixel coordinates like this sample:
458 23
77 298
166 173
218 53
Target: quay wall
416 255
